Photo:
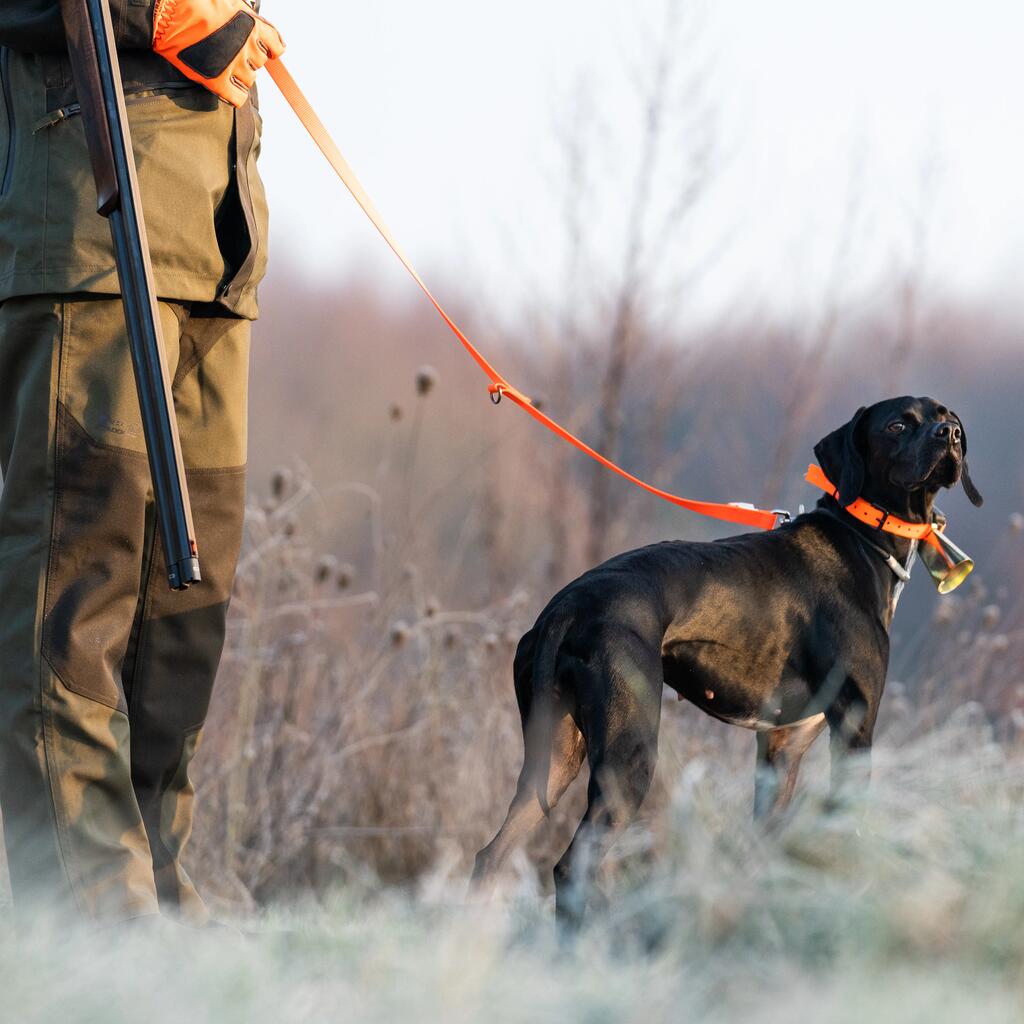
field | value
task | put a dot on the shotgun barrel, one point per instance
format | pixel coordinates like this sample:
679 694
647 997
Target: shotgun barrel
97 75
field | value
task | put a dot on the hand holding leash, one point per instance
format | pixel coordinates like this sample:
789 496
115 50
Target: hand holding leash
220 44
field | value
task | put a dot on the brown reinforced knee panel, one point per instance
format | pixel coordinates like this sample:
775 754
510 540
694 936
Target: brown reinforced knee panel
177 646
92 581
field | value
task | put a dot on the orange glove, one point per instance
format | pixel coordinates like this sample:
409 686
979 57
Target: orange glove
220 44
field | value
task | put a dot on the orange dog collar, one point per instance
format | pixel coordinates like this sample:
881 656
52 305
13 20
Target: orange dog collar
875 517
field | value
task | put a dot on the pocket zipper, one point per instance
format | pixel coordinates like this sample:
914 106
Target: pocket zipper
56 116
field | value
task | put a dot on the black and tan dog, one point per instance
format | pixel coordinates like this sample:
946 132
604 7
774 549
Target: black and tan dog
782 632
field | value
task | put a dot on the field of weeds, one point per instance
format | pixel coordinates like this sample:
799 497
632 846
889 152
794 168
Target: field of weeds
904 908
364 740
365 723
403 533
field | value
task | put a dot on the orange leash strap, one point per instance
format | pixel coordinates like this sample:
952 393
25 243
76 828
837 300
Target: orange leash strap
499 387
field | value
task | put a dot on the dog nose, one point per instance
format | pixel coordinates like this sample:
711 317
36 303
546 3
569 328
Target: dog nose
948 432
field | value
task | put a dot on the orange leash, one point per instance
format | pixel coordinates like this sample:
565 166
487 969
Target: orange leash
499 388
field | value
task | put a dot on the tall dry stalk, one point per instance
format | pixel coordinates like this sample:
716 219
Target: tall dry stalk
665 93
805 394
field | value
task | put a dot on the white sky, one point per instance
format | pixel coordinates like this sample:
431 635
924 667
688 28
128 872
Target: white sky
448 112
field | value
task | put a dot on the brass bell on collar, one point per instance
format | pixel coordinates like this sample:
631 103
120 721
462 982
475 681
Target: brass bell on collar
947 564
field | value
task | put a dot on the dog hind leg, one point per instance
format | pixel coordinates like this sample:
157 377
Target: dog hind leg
622 737
545 769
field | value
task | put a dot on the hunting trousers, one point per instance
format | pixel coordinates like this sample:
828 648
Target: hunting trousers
105 674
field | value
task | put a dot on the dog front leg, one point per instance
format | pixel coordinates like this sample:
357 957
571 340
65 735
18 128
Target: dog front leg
851 728
779 752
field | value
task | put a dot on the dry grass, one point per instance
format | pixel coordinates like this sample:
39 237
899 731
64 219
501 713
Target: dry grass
364 740
906 907
364 723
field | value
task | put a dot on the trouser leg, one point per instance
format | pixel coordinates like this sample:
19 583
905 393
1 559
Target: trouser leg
177 638
72 533
96 815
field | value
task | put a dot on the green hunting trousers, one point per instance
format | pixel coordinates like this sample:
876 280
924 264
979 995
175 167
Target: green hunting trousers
105 674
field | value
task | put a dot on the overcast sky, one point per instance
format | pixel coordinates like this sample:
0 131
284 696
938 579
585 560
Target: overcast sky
880 116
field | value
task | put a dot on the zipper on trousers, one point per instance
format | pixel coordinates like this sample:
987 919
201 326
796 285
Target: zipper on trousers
5 88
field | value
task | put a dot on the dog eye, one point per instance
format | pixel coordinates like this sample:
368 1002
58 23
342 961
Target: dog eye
896 427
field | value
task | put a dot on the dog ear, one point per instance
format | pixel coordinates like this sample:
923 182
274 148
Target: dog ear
970 490
841 455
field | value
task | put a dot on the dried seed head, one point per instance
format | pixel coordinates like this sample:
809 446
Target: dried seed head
451 638
1000 643
290 527
539 401
990 616
395 412
326 566
1017 522
491 641
399 633
280 482
345 575
432 607
426 380
946 612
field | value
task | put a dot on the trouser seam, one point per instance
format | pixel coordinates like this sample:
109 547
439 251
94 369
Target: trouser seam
217 470
138 682
140 645
44 668
173 860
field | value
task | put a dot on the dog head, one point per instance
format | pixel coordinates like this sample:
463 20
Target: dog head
898 454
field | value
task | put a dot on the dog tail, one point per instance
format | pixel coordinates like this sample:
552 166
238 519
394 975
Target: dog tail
538 680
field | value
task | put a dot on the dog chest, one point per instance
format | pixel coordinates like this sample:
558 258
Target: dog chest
749 686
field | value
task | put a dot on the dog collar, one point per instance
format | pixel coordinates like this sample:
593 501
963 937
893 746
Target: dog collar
872 515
